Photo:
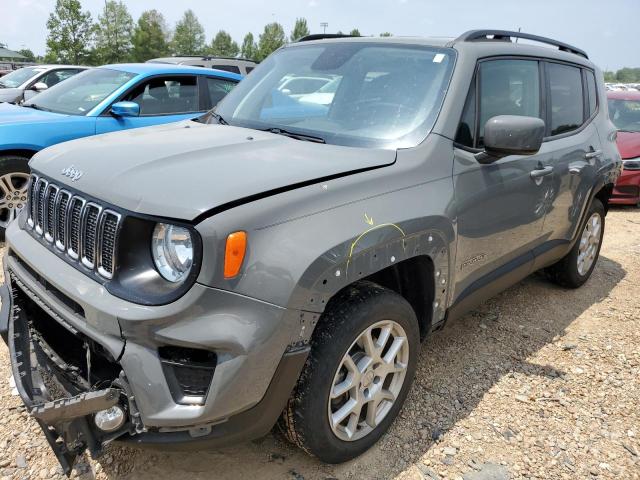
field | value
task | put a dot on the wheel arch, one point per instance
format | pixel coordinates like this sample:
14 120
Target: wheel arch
19 152
416 266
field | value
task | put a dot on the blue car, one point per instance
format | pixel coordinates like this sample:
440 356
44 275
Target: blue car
99 100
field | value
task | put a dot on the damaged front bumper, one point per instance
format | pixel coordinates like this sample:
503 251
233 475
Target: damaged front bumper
66 373
51 391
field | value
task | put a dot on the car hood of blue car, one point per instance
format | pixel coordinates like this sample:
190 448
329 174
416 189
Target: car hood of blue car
12 114
28 128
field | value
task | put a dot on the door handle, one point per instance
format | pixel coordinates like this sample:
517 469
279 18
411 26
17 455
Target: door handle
575 170
542 172
594 154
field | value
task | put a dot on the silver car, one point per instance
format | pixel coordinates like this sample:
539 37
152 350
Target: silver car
227 64
24 83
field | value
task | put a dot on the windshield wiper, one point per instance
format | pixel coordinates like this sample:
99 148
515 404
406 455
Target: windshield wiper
219 118
35 107
297 136
2 85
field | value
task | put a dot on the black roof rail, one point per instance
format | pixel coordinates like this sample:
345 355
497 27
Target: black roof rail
506 35
324 36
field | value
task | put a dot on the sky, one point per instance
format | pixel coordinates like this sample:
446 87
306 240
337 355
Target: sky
608 30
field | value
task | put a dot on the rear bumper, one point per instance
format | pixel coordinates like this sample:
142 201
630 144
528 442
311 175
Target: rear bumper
627 189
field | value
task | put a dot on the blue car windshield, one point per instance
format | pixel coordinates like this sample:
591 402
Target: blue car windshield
18 77
81 93
371 94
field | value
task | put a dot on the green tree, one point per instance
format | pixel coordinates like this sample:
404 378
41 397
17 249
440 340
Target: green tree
188 38
609 76
300 29
386 34
628 75
25 52
271 39
223 45
114 33
249 48
70 33
355 33
150 37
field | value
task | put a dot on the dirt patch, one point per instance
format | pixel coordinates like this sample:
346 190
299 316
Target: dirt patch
539 382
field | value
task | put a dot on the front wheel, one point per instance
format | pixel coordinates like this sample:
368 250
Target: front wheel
576 267
14 180
361 365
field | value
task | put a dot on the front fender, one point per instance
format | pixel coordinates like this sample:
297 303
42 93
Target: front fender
307 244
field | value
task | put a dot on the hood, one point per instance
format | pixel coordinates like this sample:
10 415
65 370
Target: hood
629 144
10 94
13 114
182 170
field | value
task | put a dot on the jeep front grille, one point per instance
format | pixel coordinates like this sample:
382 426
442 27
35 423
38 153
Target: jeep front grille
83 230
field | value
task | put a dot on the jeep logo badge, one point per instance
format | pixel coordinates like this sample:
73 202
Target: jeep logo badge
73 173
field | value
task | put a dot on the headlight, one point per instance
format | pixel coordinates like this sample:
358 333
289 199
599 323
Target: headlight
172 249
631 164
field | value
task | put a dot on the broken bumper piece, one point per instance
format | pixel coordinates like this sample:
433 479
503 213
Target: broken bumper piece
50 391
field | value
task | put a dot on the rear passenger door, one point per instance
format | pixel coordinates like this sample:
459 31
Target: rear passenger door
162 99
574 145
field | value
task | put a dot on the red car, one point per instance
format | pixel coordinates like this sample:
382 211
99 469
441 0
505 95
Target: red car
624 110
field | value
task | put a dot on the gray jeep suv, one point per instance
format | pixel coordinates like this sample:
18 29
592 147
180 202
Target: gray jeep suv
281 258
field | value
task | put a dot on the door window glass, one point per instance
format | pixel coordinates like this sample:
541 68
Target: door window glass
57 76
508 87
166 95
218 88
593 95
567 107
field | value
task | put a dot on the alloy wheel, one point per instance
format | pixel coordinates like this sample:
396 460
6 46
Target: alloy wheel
589 243
368 380
13 195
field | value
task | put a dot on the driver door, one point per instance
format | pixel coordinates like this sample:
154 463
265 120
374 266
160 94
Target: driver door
500 206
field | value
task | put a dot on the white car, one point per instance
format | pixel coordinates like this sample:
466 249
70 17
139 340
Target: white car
24 83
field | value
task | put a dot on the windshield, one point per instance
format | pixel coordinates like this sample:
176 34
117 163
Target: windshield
18 77
346 93
81 93
625 114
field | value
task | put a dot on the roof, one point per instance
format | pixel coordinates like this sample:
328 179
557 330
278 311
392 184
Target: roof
6 53
482 42
623 95
168 68
187 58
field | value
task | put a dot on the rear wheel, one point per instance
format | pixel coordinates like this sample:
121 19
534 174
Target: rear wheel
361 365
14 179
576 267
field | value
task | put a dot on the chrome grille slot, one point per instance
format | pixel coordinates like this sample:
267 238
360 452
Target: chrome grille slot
82 230
40 206
107 232
62 202
88 234
74 213
50 213
30 200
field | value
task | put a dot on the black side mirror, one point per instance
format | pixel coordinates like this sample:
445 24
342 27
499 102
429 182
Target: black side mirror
511 135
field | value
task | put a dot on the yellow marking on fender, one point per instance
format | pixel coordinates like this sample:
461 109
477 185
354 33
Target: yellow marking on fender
353 245
368 219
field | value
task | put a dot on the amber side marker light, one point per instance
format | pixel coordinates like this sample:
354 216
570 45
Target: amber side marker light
234 253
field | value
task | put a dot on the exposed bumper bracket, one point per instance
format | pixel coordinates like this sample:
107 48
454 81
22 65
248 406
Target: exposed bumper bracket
67 409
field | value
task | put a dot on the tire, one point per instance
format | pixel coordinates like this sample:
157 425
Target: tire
354 311
14 179
568 272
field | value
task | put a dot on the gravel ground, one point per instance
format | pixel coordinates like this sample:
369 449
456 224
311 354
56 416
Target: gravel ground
539 382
